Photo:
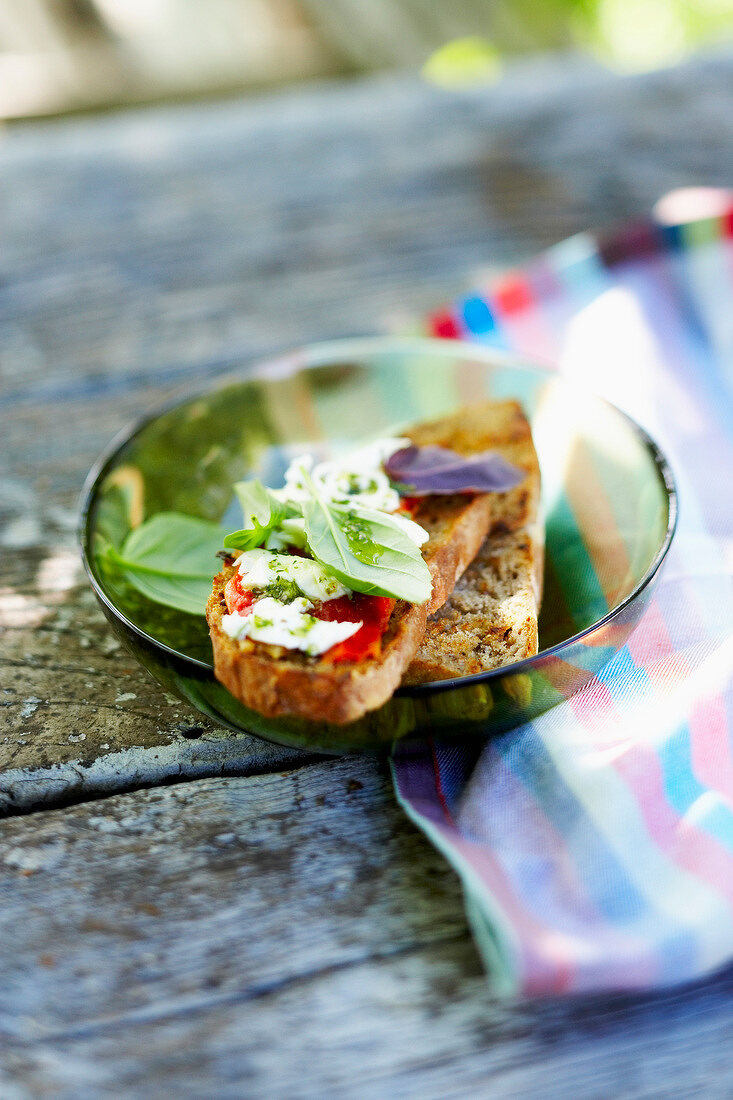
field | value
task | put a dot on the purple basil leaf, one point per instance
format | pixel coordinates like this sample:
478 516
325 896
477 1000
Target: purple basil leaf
424 471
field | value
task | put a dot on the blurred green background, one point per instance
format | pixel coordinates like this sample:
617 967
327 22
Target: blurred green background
58 56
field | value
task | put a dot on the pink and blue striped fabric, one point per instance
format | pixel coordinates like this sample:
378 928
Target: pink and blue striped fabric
595 844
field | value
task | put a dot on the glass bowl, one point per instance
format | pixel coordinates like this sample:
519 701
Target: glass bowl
608 497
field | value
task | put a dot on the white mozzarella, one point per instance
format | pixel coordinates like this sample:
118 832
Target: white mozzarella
259 568
357 478
289 625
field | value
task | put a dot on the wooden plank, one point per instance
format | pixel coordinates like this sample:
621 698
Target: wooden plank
292 935
289 933
79 715
147 244
145 252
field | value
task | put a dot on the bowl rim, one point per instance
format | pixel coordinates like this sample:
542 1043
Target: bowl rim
328 352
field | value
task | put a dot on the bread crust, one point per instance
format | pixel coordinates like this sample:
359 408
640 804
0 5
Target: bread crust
284 682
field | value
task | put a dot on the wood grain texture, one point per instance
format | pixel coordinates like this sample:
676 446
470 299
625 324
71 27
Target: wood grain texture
144 253
279 933
292 935
79 716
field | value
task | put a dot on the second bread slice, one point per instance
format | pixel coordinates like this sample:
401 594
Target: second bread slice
491 617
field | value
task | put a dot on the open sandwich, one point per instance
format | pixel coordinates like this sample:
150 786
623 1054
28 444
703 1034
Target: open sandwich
413 559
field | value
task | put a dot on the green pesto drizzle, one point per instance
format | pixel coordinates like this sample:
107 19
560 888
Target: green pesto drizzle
361 544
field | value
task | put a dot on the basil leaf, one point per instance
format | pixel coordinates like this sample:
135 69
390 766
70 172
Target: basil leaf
261 509
365 550
171 559
187 594
422 471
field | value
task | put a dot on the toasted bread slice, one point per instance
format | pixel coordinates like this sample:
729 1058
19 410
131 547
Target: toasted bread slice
490 618
457 524
276 681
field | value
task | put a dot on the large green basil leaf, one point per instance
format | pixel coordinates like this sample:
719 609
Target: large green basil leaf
171 558
366 550
262 511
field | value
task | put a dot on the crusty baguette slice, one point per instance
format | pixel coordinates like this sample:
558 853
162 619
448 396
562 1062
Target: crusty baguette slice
490 619
279 681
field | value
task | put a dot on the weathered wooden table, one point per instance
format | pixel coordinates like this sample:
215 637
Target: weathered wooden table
271 925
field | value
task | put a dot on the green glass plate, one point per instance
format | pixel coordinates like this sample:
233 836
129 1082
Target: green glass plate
608 497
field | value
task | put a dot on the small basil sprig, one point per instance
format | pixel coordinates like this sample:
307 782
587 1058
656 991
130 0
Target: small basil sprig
171 559
365 549
262 509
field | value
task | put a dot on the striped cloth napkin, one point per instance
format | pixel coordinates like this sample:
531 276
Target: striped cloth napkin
595 844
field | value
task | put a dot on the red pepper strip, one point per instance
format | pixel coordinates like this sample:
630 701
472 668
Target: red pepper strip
374 612
410 504
241 599
237 598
